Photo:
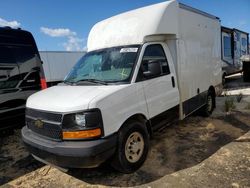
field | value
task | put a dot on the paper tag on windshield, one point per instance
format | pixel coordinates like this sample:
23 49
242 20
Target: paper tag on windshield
126 50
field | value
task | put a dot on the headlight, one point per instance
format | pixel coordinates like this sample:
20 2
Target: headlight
80 120
82 125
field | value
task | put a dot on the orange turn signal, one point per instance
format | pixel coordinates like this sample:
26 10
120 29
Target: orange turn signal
82 134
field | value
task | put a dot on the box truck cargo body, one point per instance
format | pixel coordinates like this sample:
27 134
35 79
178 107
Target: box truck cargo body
234 46
144 69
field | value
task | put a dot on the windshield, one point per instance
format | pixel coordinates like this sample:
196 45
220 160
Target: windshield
107 65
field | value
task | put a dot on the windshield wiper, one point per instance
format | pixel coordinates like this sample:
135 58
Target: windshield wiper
68 82
92 81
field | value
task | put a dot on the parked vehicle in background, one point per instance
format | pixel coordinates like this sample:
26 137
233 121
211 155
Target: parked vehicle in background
234 46
136 77
246 67
57 65
21 74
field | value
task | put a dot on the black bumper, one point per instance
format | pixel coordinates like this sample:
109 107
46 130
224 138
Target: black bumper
70 154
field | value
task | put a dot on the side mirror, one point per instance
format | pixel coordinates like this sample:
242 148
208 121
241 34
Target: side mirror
153 69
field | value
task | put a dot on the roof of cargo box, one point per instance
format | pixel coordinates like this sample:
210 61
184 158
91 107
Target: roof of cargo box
131 27
134 26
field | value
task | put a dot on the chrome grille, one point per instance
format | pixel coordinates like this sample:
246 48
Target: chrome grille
44 115
44 123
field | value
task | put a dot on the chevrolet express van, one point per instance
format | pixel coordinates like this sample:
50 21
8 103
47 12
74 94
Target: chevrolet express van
144 69
21 74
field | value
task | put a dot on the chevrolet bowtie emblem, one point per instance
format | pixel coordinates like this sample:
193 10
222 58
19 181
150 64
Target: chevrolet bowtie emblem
39 123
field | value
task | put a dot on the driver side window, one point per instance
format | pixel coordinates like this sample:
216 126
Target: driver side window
153 53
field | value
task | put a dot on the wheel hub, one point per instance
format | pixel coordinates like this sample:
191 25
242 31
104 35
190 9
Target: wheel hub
134 147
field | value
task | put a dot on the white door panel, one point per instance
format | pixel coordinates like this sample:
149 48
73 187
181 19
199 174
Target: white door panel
160 95
160 92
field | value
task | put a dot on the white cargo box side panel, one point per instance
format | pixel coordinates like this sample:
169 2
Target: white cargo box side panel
199 53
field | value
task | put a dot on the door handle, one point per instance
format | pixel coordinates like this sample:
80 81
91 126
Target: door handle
173 82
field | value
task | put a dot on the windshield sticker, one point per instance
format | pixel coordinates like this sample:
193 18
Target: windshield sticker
126 50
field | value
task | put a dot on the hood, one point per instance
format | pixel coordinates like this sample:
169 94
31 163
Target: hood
67 98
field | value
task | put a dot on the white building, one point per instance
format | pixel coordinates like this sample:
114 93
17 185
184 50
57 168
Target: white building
57 64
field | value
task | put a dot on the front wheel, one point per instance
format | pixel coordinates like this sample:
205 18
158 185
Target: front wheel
132 147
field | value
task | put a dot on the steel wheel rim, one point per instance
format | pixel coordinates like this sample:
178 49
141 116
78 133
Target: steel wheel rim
134 147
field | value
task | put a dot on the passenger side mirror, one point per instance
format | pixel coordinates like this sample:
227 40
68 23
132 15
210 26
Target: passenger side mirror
153 69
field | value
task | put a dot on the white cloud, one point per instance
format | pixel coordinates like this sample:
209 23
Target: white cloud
13 24
59 32
74 43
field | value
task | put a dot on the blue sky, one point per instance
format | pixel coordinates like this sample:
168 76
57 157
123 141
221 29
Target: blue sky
64 25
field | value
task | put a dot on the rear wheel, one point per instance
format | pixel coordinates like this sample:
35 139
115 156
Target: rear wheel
224 79
246 76
209 106
132 147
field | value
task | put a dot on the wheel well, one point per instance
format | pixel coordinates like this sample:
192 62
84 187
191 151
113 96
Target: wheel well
141 118
212 90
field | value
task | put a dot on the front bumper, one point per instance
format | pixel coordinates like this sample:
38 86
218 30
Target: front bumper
70 154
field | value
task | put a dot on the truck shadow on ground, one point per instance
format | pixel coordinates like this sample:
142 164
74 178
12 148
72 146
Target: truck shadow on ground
174 148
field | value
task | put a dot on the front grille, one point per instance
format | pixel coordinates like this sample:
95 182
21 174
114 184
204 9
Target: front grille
44 115
49 124
49 130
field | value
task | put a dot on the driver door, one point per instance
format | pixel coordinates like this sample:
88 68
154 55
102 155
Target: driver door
161 91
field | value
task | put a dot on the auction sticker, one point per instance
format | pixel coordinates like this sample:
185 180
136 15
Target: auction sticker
126 50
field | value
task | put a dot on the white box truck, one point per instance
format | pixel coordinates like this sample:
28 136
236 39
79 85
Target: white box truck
144 69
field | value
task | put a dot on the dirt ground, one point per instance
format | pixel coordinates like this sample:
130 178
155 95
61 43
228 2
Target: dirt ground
173 149
15 161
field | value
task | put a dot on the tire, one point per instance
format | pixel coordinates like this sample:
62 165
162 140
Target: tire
246 72
223 79
246 76
132 147
209 106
